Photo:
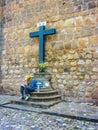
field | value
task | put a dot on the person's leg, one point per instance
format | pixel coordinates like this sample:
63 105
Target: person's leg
27 92
22 91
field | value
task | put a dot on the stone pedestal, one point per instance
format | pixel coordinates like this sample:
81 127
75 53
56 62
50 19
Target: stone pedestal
45 77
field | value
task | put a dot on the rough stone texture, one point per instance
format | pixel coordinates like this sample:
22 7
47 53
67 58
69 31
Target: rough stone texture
95 93
72 53
1 39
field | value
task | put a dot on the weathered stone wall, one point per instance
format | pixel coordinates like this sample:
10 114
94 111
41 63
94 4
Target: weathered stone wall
72 53
2 2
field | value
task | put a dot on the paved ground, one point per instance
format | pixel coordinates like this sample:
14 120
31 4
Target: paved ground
55 118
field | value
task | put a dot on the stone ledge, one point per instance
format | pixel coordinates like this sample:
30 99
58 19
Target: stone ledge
63 109
43 105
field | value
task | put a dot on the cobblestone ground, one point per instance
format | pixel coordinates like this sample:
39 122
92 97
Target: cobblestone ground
11 119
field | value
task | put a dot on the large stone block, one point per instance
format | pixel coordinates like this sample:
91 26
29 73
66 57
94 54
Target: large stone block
93 39
89 20
82 42
79 21
95 93
20 50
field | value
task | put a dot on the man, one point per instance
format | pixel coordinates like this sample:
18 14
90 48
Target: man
26 89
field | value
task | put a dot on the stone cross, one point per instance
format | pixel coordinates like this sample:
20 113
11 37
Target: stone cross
41 34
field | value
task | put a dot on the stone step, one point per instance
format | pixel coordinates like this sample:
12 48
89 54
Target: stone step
44 93
45 99
43 105
45 89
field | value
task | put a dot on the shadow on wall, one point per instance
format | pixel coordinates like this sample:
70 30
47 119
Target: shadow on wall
2 22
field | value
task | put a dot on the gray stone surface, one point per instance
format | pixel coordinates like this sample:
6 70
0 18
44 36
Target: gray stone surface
22 120
77 110
82 111
22 117
11 119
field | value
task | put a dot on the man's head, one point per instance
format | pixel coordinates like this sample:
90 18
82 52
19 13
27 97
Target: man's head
28 76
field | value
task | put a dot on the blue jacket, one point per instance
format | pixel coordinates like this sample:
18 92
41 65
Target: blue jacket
32 84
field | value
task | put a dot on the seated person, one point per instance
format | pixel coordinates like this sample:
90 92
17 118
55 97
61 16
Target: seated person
26 89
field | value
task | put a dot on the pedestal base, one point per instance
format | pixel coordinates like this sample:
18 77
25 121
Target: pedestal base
45 77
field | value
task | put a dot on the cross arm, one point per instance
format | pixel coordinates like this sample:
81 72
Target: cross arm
50 31
34 34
